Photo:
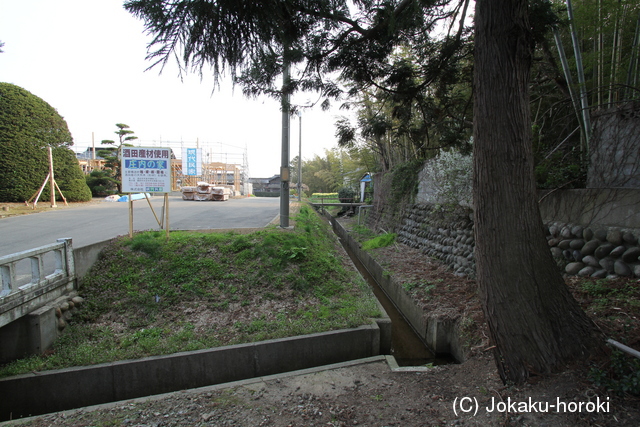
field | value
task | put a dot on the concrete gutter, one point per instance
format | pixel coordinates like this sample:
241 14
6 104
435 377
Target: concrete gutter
440 334
53 391
241 383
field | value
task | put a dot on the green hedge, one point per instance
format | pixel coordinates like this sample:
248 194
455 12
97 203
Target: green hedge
28 126
266 194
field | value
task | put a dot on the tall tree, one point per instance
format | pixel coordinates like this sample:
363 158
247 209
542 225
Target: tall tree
536 325
112 155
534 322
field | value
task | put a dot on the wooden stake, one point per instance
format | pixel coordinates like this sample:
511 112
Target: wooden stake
52 179
130 216
166 210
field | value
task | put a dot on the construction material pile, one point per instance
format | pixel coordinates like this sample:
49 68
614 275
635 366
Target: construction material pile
205 191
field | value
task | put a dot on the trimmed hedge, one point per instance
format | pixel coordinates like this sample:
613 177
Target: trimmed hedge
266 193
28 125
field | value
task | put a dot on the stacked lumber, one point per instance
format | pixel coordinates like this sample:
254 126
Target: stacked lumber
204 192
220 193
188 192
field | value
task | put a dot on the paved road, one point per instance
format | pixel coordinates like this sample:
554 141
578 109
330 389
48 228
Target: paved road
102 221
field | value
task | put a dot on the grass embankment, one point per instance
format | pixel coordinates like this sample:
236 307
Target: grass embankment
149 296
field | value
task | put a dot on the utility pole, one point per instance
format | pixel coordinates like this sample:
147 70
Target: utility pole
284 164
300 159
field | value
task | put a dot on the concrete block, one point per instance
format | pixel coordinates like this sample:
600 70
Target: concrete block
43 329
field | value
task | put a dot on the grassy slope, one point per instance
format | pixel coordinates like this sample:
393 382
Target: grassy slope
148 296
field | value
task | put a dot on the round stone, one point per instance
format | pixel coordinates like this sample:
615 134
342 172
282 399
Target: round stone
615 236
587 271
573 268
629 238
603 250
577 230
621 268
590 260
564 244
587 234
556 252
636 271
590 247
599 274
576 244
607 263
601 235
617 251
631 255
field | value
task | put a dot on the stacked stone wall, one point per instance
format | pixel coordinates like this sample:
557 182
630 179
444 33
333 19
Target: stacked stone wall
447 235
605 252
604 245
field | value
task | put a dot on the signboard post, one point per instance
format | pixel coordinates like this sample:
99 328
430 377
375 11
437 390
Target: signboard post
146 170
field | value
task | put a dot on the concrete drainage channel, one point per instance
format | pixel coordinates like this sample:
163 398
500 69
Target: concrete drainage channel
52 391
440 336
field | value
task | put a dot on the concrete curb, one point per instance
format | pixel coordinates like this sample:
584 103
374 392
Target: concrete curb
59 390
211 388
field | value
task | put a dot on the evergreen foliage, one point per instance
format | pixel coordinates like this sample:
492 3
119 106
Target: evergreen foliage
111 155
100 183
28 125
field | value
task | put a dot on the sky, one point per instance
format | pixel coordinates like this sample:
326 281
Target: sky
86 58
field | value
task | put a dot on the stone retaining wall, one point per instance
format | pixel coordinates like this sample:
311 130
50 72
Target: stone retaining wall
605 252
442 234
447 235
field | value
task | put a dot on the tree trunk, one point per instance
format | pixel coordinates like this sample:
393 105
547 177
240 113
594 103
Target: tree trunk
535 324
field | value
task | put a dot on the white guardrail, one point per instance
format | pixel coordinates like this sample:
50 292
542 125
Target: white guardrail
18 298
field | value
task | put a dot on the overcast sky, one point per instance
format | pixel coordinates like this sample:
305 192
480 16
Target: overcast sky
86 58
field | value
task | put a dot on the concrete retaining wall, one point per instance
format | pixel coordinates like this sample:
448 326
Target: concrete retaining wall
86 256
52 391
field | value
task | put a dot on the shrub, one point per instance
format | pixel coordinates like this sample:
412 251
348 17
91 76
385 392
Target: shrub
100 183
28 126
346 195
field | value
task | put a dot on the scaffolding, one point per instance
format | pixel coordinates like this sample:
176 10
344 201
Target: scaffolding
219 174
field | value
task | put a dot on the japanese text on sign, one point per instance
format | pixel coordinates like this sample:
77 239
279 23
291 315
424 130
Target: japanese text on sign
146 170
192 161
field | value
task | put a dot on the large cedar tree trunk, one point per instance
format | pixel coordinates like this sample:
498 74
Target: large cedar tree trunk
535 324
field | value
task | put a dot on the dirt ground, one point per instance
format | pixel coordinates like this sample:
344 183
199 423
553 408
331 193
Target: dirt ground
372 394
368 394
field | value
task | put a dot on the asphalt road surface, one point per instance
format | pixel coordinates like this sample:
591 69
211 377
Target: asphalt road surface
105 220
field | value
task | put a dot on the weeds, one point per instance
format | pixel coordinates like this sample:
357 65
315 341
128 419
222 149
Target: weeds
621 375
425 286
147 282
380 241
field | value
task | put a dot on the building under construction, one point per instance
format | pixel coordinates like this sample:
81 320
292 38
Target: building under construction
232 171
219 174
